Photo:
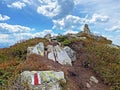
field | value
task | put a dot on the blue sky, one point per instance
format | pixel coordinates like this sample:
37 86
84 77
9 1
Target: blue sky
24 19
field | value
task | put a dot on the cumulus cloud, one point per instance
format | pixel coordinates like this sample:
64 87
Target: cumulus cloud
70 31
68 23
27 35
13 28
4 36
71 22
98 18
114 28
115 39
28 1
76 2
12 38
55 8
43 33
4 17
5 40
17 4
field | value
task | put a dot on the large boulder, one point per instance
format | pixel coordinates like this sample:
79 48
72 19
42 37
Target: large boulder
47 80
37 49
60 55
71 53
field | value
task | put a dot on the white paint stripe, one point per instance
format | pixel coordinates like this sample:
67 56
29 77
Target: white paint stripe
39 78
32 77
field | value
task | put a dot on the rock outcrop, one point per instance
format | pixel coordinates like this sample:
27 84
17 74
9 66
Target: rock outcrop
46 80
86 29
71 53
37 49
60 55
64 56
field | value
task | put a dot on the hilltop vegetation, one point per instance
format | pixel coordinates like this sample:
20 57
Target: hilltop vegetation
103 60
92 53
11 57
98 56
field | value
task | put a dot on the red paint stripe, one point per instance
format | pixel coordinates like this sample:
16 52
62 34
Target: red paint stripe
36 79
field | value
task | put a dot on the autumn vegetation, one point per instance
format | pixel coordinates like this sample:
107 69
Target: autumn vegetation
11 58
98 57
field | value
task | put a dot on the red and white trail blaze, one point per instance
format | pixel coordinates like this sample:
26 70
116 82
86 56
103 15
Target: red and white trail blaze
36 80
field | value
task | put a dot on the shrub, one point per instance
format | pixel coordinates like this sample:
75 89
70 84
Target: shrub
66 42
61 38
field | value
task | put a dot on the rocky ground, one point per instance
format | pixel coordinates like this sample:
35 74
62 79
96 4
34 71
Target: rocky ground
78 77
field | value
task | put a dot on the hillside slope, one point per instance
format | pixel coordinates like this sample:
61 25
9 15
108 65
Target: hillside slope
94 58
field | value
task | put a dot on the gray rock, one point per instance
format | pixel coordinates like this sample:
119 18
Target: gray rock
47 36
88 85
71 53
49 80
29 50
37 49
50 48
60 55
93 79
86 29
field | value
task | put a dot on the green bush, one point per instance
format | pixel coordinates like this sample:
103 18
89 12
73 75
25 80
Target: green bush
66 42
61 38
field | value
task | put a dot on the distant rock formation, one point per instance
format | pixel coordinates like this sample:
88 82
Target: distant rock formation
86 29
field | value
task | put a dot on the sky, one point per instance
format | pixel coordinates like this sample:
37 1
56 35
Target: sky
24 19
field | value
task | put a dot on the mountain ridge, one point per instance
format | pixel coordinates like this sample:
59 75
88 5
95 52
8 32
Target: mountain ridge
95 57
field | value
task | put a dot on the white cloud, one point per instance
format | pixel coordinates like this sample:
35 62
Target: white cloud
28 1
14 28
98 18
5 40
114 28
115 39
71 22
55 8
70 31
4 17
10 39
68 23
49 10
23 36
76 2
43 33
4 36
17 4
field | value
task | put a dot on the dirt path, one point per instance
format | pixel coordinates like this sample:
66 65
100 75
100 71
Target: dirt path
77 76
